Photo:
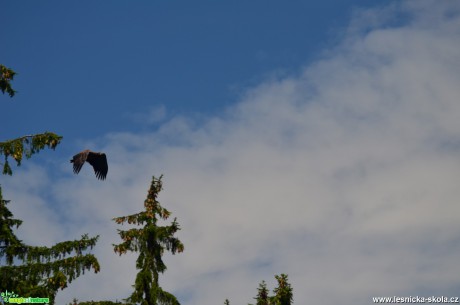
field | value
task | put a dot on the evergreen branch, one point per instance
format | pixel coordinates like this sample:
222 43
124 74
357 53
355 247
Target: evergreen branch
26 146
58 272
44 254
6 76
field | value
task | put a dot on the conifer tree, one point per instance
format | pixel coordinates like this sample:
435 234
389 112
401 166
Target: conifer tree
39 271
262 294
283 293
33 270
151 240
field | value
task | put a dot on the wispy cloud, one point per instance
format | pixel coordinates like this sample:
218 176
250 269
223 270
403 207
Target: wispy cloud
344 176
153 115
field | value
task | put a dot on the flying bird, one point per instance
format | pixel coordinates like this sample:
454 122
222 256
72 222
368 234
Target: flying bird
96 159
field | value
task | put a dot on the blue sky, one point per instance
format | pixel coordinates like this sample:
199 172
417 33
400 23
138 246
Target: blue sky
83 69
318 140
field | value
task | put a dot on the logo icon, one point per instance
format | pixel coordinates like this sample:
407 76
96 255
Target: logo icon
12 298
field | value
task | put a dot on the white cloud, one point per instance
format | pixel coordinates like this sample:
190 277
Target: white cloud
345 177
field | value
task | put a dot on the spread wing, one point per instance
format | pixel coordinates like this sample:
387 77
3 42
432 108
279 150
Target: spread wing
78 161
99 163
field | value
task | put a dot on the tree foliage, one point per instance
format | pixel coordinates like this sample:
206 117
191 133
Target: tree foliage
150 241
44 270
262 294
282 294
6 76
33 270
26 146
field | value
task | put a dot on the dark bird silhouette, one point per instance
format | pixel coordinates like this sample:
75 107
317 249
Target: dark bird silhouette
96 159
